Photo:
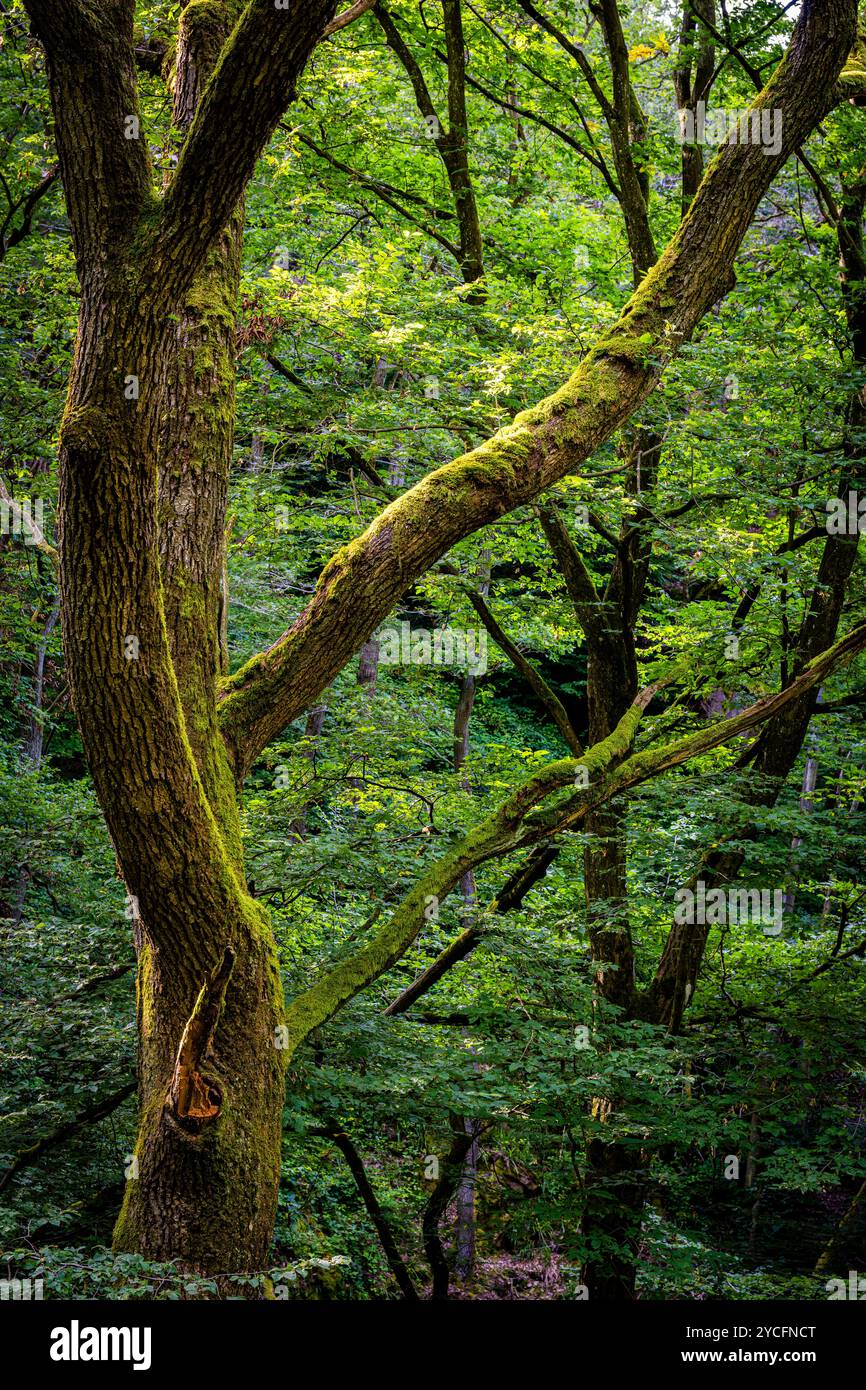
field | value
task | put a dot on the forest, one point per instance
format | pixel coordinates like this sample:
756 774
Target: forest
433 651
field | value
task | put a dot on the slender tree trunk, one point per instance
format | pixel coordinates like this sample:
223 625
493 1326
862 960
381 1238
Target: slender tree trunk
34 741
464 1260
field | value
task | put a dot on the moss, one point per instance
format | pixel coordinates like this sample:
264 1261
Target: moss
205 26
203 362
144 991
211 298
495 835
633 350
83 428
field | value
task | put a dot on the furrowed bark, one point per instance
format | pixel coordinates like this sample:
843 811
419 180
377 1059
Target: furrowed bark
93 85
140 595
219 1131
257 73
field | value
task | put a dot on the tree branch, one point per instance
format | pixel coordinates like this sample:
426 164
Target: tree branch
257 73
340 1139
389 195
522 820
26 206
584 596
452 1169
551 702
348 16
27 521
362 582
90 1115
510 896
94 92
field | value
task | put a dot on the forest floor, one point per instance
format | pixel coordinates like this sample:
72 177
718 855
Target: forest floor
503 1277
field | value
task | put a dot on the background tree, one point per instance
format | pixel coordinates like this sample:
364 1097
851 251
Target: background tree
145 462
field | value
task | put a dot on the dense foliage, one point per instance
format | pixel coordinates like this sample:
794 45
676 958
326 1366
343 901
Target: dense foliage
367 358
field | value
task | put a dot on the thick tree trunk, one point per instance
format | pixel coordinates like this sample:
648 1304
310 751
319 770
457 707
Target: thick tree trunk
208 1159
140 458
206 1192
144 460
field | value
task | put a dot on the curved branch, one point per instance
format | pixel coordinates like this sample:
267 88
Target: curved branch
522 819
548 698
389 195
26 521
585 598
361 584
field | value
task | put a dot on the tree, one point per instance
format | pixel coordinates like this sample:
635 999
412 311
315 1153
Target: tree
145 448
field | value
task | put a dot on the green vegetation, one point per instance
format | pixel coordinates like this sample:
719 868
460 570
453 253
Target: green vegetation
403 953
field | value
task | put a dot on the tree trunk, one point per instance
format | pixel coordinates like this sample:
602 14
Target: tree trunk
145 444
144 459
612 1215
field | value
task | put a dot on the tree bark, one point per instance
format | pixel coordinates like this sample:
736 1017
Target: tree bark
150 400
144 450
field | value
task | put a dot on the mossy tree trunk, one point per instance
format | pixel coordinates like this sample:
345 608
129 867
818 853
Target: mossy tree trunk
207 1189
144 453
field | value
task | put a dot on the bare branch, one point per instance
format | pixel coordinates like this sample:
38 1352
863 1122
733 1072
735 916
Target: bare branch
539 687
348 16
26 206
